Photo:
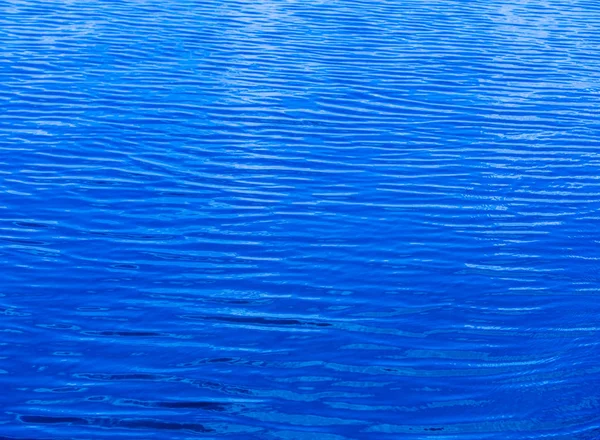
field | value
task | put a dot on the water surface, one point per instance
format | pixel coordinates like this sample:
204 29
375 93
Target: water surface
284 219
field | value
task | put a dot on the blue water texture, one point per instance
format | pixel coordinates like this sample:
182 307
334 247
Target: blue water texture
299 219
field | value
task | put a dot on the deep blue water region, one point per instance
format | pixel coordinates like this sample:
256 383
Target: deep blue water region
285 219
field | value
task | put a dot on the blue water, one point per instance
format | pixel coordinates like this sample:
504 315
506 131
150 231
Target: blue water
285 219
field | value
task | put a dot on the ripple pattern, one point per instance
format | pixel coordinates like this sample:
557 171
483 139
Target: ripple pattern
284 219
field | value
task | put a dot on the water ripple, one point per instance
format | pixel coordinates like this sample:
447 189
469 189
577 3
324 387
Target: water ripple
293 220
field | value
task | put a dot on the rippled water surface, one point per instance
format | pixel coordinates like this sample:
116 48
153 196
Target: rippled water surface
285 219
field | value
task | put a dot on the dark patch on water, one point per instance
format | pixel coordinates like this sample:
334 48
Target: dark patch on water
258 320
144 424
